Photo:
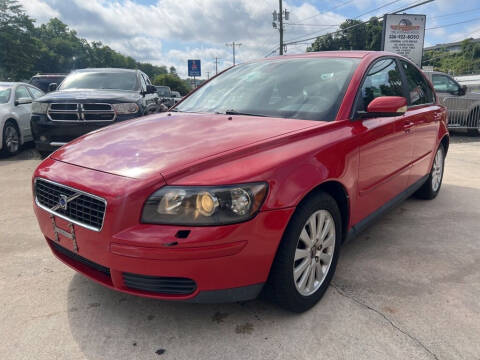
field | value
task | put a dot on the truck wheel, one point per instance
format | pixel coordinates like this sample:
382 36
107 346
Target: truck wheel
307 256
431 188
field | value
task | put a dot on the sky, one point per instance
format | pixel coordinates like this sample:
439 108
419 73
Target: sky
169 32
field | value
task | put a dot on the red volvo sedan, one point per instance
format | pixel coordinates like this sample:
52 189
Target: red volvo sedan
252 182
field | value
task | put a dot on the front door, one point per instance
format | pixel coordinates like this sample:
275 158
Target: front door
385 143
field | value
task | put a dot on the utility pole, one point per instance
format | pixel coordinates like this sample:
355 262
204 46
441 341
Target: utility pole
281 25
208 75
216 65
233 44
279 17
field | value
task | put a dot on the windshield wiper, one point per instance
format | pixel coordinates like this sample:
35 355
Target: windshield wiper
233 112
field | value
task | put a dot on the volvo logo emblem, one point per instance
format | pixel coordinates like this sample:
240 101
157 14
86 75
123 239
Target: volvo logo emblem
63 202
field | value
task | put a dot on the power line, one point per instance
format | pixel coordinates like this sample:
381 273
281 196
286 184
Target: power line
292 41
233 45
333 8
354 26
447 25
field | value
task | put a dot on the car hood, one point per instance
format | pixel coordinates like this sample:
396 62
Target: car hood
90 95
162 144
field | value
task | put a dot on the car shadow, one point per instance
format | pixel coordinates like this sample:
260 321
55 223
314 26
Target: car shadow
27 152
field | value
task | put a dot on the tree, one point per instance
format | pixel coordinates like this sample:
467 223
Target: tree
353 35
53 48
18 47
174 82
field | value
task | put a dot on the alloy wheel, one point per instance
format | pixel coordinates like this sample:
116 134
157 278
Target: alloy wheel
12 139
437 170
314 252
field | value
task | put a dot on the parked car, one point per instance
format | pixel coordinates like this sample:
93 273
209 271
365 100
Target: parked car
165 96
43 81
463 107
176 97
87 100
253 182
15 110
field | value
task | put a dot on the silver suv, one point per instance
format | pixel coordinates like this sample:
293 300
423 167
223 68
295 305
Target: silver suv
463 106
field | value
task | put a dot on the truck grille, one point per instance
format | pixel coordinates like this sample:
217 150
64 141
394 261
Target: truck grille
81 112
81 208
159 285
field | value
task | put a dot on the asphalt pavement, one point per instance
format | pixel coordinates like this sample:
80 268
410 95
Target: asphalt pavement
407 288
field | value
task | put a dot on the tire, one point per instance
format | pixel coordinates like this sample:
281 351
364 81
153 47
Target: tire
285 288
11 139
431 187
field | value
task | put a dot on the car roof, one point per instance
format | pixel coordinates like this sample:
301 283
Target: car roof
13 83
340 54
48 75
105 70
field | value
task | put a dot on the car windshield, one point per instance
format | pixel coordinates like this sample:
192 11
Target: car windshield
4 94
310 89
121 80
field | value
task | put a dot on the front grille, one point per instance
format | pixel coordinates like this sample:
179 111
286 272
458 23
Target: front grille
85 209
159 285
73 112
61 250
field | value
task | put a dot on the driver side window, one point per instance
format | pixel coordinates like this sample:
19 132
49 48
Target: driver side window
383 79
445 84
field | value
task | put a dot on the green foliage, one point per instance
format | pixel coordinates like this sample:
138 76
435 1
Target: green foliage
173 81
364 36
52 48
466 61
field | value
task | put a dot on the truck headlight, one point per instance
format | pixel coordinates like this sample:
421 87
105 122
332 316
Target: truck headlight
39 107
125 108
204 205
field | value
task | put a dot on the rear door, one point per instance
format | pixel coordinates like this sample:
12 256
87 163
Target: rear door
425 116
386 146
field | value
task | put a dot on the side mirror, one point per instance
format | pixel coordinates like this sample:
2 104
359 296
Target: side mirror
151 89
52 87
23 101
463 90
385 106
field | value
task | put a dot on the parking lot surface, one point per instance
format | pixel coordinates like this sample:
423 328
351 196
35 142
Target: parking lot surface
407 288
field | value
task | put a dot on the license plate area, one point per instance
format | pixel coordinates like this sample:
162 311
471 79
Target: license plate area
70 234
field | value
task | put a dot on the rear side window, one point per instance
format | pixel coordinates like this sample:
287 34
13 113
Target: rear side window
418 89
383 79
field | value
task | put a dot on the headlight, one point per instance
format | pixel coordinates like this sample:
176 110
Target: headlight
125 108
204 205
39 107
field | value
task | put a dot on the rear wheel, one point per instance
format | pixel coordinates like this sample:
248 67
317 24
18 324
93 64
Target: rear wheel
307 256
431 188
11 138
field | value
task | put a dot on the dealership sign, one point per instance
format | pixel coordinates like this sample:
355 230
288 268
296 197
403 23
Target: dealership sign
403 34
194 68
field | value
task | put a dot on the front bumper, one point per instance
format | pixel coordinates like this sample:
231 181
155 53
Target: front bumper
224 263
50 135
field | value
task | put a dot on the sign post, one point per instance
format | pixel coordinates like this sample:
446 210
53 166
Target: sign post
403 34
194 69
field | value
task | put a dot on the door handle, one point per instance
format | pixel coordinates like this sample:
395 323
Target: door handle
407 125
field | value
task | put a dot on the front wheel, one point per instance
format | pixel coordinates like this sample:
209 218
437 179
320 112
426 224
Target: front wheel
11 139
431 188
307 255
